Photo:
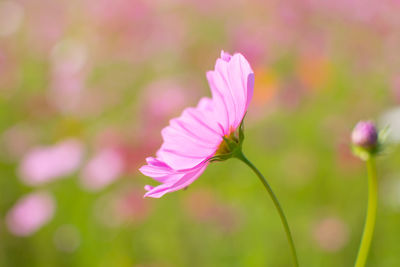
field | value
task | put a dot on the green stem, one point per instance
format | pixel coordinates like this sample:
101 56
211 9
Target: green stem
371 214
278 207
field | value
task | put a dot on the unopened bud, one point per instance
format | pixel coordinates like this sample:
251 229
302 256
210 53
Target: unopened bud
365 135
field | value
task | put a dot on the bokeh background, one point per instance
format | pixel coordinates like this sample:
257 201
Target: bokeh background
87 85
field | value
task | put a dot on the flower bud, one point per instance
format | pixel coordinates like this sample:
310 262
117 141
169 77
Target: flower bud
365 135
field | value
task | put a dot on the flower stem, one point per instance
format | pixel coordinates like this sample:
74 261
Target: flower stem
278 207
371 213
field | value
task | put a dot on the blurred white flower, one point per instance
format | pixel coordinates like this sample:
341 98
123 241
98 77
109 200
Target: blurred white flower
391 118
390 190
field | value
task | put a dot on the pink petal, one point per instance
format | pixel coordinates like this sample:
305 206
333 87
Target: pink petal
238 74
241 76
172 186
196 143
231 85
221 110
160 172
221 84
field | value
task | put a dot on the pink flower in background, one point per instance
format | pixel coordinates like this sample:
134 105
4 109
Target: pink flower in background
104 168
192 139
11 16
10 76
131 207
171 98
43 164
330 234
121 207
202 207
30 213
255 45
17 140
68 75
118 13
46 22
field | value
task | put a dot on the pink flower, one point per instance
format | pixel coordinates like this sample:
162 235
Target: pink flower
172 96
68 75
203 207
43 164
121 207
193 139
104 168
30 213
11 16
331 234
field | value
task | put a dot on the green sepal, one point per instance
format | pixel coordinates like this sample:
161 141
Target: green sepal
230 146
365 153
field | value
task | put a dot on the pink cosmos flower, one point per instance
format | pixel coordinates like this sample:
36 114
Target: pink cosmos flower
43 164
194 138
30 213
103 169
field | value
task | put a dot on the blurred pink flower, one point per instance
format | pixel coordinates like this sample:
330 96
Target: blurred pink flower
102 169
68 75
193 138
117 13
257 41
291 94
131 207
46 23
204 208
171 97
17 140
30 213
9 72
331 234
11 16
123 206
43 164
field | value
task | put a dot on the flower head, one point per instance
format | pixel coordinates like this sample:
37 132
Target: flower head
30 213
205 132
367 141
365 134
102 169
43 164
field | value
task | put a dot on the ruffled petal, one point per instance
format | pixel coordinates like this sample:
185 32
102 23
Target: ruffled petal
232 85
241 79
192 138
159 171
174 185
